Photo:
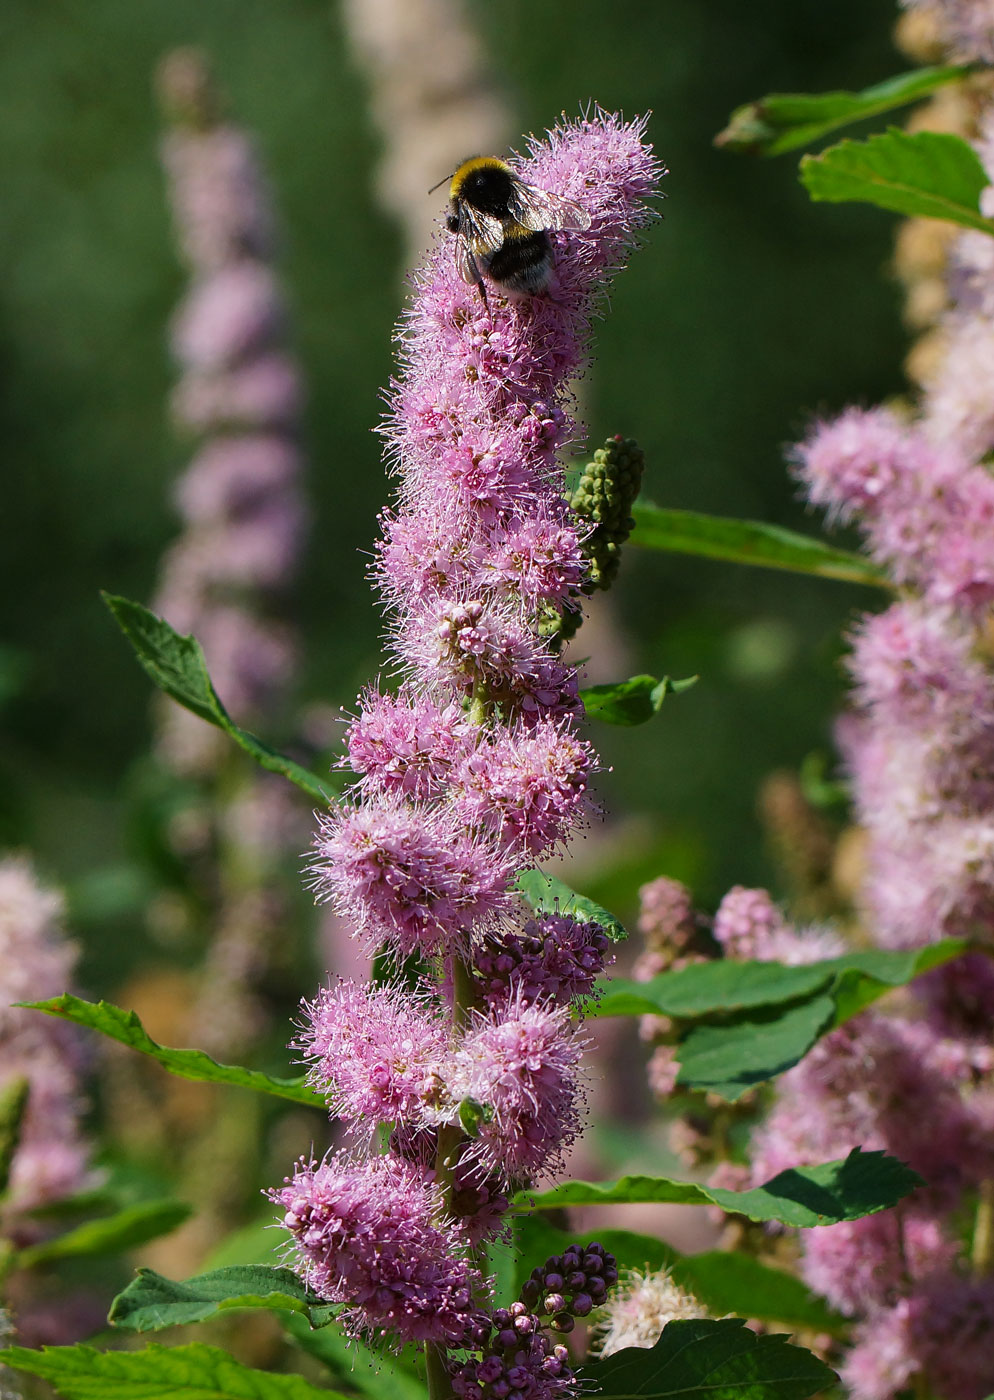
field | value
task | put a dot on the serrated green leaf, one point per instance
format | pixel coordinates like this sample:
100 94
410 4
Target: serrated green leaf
177 666
700 1359
731 1059
151 1302
633 701
547 895
786 121
194 1372
929 174
860 1184
126 1027
749 542
124 1229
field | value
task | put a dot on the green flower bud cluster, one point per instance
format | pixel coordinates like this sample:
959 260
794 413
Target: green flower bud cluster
604 496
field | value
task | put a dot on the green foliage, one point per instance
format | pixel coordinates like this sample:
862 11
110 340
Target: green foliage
177 666
151 1302
698 1359
749 542
13 1102
785 121
860 1184
728 1060
769 1015
125 1229
924 173
158 1373
547 895
633 701
126 1027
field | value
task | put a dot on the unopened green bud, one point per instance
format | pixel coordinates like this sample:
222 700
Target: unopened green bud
604 496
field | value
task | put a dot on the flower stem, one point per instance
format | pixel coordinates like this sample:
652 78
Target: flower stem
439 1383
982 1252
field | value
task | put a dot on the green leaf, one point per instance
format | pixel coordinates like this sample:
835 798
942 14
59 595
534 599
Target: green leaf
13 1103
705 988
125 1026
177 666
196 1371
749 542
125 1229
547 895
728 1060
700 1359
860 1184
926 173
738 1283
633 701
785 121
770 1015
151 1302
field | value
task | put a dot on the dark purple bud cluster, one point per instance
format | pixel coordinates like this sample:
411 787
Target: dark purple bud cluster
554 958
519 1362
570 1285
518 1359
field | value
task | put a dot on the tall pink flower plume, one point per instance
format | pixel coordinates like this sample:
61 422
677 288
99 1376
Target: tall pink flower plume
473 767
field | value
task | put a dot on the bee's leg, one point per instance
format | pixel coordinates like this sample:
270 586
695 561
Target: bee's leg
483 295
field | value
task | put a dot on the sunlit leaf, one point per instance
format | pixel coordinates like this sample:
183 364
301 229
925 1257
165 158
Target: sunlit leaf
177 666
749 542
785 121
126 1027
927 174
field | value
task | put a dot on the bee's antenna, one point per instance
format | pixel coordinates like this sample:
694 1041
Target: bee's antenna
440 184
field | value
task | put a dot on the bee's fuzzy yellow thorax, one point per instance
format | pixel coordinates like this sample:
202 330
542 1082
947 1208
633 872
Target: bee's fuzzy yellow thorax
473 164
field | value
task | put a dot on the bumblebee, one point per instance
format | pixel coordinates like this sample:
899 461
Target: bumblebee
502 226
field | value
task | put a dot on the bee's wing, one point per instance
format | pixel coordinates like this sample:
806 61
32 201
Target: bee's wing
466 264
538 209
483 232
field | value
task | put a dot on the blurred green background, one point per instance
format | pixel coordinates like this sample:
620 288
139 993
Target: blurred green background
748 310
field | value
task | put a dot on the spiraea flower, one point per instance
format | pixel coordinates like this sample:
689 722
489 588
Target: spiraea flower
375 1051
410 876
523 1067
371 1235
471 768
52 1159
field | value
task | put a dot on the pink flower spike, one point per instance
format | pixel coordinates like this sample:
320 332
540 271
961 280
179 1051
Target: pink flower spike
370 1235
410 876
376 1052
523 1065
529 788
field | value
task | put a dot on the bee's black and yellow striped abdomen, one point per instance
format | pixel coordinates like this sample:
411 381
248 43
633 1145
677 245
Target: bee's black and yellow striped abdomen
522 261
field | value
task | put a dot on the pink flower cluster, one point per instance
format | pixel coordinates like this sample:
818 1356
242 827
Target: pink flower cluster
470 769
37 961
919 748
967 27
239 396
